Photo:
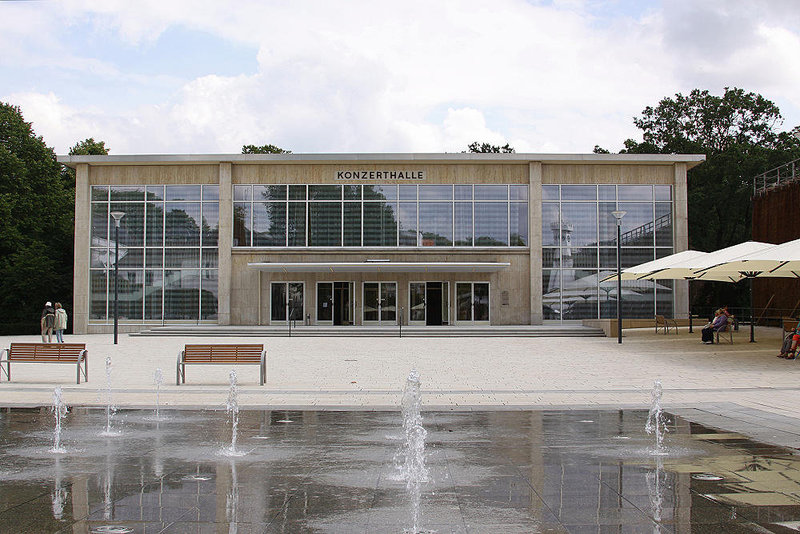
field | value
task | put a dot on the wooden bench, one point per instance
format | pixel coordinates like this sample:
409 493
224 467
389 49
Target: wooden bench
74 353
222 355
665 324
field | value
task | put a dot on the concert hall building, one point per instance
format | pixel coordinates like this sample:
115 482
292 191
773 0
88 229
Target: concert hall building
372 239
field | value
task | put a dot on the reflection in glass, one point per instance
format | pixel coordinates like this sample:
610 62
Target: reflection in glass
352 192
181 294
518 192
582 220
297 224
154 224
100 192
324 192
380 227
380 192
242 224
278 301
352 224
153 294
407 220
463 224
242 192
269 192
463 301
607 224
481 301
100 227
635 192
388 301
210 192
607 192
663 192
551 233
182 222
371 296
269 224
408 192
463 192
637 225
518 224
550 192
131 226
663 224
210 224
491 192
209 283
181 258
324 224
578 192
183 192
491 223
325 301
436 192
130 284
98 282
416 301
436 223
126 193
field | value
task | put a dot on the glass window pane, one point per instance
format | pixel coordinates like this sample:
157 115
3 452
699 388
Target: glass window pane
436 223
380 192
99 258
664 302
518 224
127 193
551 228
324 224
324 192
182 224
100 192
155 193
181 258
277 302
297 224
551 257
242 192
154 229
580 258
130 291
518 192
578 224
551 294
663 192
388 302
100 225
480 301
380 225
153 294
491 192
550 192
463 226
210 193
416 301
637 224
371 296
209 258
407 219
663 224
297 192
663 252
636 256
129 258
269 192
131 226
607 192
97 294
491 223
463 192
463 302
352 192
578 192
608 258
296 301
269 224
210 233
436 192
183 192
325 301
154 257
241 224
607 224
635 192
181 294
408 192
352 224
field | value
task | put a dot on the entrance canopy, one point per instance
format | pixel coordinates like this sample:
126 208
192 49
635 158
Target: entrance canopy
380 267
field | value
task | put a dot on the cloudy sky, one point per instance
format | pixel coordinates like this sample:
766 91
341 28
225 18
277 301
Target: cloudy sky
205 76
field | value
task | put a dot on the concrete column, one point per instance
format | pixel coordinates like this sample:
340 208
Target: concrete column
680 235
80 262
535 240
225 243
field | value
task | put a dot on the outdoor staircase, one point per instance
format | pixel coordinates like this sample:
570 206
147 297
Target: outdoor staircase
555 330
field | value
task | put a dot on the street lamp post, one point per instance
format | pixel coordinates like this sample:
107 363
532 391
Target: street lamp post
618 215
118 215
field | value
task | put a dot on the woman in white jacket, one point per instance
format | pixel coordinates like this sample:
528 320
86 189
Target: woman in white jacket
61 323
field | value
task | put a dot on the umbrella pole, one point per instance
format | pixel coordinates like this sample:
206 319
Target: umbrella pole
752 314
689 293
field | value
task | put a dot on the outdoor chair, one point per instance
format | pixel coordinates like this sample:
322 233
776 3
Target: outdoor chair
662 323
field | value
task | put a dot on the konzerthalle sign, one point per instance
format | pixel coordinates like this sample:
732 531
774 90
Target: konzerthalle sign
380 175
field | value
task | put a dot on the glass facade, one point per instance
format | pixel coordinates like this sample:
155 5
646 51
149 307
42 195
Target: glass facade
430 215
579 240
168 253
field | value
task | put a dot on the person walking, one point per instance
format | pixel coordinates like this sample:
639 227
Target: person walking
61 322
48 320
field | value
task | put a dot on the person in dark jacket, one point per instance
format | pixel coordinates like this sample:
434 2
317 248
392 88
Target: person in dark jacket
48 321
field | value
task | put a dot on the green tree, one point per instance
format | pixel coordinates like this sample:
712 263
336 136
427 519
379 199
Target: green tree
487 148
738 133
264 149
36 212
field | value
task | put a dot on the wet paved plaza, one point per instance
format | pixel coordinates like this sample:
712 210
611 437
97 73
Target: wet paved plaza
493 471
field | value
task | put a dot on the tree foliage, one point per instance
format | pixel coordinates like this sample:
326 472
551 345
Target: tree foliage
487 148
738 133
36 222
264 149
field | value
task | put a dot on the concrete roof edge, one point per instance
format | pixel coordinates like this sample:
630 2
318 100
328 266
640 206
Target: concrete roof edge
519 158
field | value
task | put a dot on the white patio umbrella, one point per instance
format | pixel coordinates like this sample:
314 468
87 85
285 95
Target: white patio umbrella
637 272
781 261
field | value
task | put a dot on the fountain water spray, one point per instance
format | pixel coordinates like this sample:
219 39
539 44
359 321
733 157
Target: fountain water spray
60 412
656 485
158 379
232 407
410 459
656 422
110 408
59 496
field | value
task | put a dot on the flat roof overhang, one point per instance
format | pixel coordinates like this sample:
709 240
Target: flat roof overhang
380 267
691 160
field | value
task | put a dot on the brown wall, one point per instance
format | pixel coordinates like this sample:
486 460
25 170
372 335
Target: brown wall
776 219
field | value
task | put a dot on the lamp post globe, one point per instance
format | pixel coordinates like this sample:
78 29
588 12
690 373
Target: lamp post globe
618 215
117 215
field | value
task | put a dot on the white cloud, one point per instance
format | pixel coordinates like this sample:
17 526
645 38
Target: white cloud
368 76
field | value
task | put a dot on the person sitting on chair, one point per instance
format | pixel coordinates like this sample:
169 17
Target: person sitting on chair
719 323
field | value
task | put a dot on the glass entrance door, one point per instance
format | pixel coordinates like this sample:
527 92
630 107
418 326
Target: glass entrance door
286 300
429 303
335 303
472 302
380 303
